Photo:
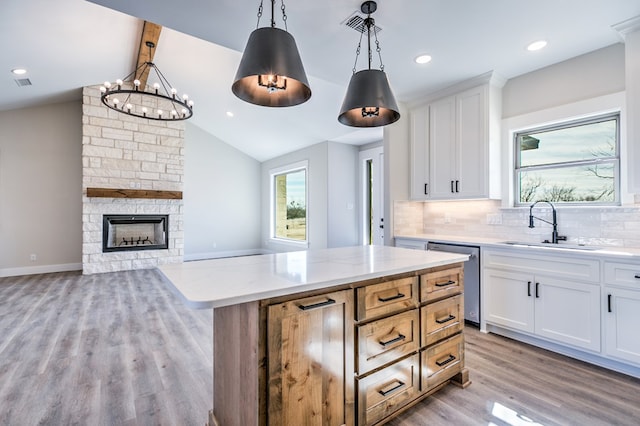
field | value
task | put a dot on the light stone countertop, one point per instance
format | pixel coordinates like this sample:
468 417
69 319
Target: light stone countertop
610 252
230 281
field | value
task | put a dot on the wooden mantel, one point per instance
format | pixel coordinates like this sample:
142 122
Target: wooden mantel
134 193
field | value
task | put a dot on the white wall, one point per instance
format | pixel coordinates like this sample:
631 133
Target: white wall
342 202
41 189
329 189
396 169
222 206
584 77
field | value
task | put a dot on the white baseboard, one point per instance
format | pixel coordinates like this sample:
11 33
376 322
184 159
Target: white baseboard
40 269
221 254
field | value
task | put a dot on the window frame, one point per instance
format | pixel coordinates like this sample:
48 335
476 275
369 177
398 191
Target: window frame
616 160
286 169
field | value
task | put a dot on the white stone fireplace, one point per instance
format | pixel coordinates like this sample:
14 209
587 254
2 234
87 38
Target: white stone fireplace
131 166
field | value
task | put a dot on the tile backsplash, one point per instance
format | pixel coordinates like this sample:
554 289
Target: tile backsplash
602 226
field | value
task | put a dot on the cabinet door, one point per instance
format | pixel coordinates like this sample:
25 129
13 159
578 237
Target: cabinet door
622 317
420 153
508 299
471 147
310 376
568 312
442 139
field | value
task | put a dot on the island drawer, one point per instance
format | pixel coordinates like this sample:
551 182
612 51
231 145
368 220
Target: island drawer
441 319
440 284
442 361
385 340
385 391
386 298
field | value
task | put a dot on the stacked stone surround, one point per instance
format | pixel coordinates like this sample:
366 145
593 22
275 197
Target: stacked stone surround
124 152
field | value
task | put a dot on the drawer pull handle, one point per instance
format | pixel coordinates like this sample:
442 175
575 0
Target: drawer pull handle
400 338
446 361
609 303
637 276
317 305
447 319
394 388
389 299
444 284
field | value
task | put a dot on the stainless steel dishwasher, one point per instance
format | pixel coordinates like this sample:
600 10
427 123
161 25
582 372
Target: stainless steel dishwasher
471 278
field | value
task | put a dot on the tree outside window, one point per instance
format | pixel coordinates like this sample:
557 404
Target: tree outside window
290 204
573 163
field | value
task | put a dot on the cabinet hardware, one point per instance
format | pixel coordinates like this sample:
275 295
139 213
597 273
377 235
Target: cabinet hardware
400 338
452 187
457 186
537 290
609 303
317 305
529 288
425 189
388 391
445 283
447 319
389 299
637 276
446 361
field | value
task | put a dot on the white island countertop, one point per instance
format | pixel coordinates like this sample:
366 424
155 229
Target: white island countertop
230 281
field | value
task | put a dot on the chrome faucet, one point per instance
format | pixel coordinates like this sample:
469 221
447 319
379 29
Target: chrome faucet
554 235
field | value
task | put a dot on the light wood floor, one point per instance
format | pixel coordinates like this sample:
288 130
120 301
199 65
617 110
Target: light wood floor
121 349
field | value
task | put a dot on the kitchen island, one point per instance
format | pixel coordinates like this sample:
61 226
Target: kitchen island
335 336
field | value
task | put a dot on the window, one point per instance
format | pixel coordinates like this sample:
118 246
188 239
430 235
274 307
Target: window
574 163
289 203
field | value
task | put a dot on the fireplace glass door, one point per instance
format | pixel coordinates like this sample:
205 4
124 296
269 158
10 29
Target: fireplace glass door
135 232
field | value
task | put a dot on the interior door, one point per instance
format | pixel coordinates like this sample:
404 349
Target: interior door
372 189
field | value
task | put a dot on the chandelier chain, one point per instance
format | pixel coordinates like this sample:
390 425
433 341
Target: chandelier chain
259 14
355 63
378 49
284 15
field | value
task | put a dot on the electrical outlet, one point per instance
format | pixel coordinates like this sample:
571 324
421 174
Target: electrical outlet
33 257
447 218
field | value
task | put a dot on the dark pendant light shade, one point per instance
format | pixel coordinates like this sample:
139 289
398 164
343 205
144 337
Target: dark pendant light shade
271 72
369 101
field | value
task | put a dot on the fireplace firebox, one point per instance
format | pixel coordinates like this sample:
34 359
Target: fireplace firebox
134 232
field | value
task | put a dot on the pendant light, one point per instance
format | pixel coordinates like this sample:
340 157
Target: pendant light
369 101
271 72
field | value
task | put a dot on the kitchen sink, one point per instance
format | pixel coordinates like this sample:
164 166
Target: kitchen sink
552 246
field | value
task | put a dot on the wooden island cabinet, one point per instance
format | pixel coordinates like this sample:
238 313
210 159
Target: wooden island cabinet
357 349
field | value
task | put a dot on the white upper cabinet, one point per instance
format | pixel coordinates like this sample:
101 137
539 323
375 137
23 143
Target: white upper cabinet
455 146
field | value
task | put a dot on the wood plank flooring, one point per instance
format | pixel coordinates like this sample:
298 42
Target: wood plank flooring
122 349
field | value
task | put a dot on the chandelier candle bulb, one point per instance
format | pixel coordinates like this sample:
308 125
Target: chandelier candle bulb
160 97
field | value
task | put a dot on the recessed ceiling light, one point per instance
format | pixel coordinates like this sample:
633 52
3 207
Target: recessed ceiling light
536 45
229 114
423 59
19 71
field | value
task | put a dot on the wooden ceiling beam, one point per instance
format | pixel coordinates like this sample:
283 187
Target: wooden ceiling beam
150 33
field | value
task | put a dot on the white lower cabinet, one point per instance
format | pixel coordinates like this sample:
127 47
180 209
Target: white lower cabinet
521 295
621 307
622 319
561 310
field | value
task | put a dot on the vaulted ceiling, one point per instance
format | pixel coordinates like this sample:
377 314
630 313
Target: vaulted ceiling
68 44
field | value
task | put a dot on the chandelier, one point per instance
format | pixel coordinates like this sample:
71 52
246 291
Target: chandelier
271 73
369 101
157 101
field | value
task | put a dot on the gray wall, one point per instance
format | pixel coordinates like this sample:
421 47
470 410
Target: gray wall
221 198
329 189
584 77
41 189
